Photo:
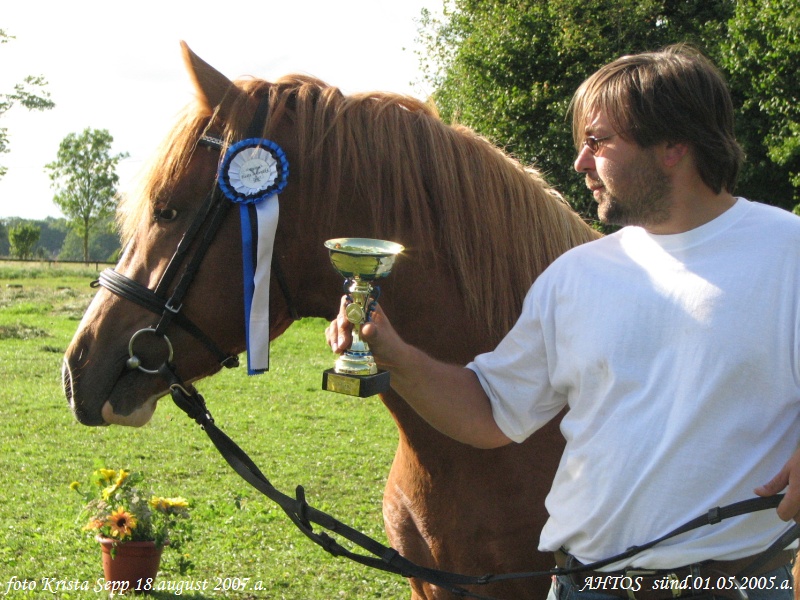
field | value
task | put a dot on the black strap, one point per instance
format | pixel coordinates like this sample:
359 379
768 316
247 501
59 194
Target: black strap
388 559
256 128
219 208
183 247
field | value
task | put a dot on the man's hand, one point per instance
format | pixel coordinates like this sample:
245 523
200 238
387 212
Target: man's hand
789 479
383 340
339 333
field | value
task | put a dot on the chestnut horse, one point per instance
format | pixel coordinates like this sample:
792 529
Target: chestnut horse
477 227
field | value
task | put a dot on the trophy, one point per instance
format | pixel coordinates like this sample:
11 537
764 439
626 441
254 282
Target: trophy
360 261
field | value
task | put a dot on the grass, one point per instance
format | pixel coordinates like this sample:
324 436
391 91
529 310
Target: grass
340 448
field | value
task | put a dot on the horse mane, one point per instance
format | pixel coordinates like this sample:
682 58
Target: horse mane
450 196
162 169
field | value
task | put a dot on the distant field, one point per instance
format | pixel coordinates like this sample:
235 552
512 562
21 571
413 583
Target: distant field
44 266
338 447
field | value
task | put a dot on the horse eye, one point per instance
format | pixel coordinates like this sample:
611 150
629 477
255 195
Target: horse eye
165 214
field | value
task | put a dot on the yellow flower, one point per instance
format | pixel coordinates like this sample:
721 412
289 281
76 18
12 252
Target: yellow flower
116 480
75 485
169 505
177 502
120 510
107 475
122 523
123 475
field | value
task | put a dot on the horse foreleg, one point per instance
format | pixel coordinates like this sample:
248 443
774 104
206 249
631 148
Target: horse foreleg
407 532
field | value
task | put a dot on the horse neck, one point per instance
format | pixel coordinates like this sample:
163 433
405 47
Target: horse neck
428 312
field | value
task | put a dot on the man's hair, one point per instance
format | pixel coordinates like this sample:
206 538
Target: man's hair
675 95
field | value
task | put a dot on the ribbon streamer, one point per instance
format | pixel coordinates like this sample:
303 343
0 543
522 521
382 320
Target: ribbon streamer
252 173
259 223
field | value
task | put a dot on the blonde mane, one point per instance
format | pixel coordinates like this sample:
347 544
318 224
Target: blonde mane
443 191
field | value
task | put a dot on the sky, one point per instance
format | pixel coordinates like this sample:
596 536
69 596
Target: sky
118 66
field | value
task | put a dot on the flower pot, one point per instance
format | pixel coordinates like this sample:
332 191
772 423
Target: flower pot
129 566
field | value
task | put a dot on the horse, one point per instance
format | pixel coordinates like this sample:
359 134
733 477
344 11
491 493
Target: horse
477 225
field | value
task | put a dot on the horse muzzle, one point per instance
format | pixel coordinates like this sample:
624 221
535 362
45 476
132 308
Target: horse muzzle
81 412
96 403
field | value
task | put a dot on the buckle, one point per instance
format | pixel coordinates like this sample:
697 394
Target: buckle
230 362
172 309
631 575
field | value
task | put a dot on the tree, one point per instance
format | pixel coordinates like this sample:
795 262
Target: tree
508 68
103 246
85 179
29 94
23 239
760 55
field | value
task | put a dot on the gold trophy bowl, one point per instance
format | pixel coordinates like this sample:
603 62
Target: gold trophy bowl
361 261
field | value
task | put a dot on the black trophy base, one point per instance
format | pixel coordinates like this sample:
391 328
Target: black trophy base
362 386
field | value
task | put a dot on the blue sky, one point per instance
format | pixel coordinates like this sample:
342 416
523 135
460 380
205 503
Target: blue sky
118 66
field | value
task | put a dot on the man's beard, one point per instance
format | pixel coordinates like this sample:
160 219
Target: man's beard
644 199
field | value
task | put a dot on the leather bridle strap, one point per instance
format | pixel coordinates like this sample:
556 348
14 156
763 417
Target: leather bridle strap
215 217
188 237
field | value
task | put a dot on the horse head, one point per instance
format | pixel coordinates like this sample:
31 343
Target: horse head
169 209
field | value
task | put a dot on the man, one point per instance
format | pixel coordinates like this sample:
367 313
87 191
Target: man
674 343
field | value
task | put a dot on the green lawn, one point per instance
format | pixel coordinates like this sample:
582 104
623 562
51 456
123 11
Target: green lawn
340 448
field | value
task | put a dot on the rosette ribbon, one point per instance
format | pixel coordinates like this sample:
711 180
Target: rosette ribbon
252 173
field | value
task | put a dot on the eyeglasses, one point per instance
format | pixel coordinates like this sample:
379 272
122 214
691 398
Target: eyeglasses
595 143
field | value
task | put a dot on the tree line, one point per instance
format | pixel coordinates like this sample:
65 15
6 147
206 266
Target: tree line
84 179
52 239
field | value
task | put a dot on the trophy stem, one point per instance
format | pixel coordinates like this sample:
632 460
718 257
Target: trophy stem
357 359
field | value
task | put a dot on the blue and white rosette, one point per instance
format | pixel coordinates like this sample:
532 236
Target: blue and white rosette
252 173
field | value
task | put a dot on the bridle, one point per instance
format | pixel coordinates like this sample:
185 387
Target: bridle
200 235
168 306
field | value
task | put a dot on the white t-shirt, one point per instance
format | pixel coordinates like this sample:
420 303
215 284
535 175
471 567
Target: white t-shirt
678 357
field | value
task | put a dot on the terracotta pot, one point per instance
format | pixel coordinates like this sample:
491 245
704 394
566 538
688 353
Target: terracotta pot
133 567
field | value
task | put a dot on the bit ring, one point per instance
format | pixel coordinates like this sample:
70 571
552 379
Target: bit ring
134 362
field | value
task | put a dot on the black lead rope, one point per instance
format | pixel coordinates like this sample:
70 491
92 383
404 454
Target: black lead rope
385 558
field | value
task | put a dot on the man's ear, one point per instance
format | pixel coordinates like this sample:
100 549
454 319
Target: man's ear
674 153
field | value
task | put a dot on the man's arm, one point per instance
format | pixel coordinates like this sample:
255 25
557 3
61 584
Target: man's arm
447 396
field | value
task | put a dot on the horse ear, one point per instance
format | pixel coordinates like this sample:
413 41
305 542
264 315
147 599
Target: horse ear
213 88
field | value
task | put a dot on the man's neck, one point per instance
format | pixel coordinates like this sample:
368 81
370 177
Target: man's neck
691 211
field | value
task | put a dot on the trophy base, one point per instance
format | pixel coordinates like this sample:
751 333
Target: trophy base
362 386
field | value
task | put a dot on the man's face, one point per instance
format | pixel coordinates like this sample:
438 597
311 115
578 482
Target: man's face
627 181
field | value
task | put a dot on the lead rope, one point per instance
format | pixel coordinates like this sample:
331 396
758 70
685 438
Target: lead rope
385 558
